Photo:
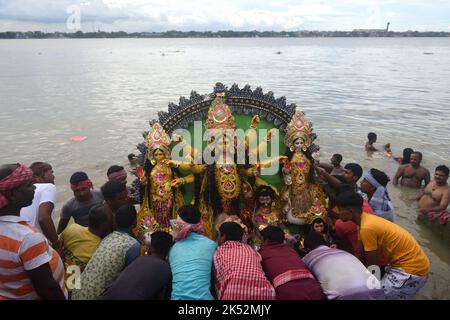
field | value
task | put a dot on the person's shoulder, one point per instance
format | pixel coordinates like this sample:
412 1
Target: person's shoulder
211 243
205 240
369 220
75 227
47 186
69 203
31 238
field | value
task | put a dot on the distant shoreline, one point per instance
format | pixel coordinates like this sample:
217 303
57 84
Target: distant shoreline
362 33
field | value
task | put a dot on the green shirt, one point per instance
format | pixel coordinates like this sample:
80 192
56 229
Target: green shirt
104 266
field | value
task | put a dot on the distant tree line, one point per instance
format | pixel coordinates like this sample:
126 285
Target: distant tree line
219 34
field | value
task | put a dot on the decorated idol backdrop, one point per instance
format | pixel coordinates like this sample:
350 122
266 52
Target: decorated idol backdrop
224 152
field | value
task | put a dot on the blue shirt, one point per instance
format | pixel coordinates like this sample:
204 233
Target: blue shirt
191 262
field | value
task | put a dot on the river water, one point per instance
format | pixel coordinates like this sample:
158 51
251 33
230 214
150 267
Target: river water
108 89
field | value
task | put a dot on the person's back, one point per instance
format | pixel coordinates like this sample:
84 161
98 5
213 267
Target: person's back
45 192
191 262
79 211
26 248
79 245
144 279
148 277
289 275
104 266
240 275
396 244
115 252
340 274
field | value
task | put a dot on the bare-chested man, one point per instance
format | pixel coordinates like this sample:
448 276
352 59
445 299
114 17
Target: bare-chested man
436 196
411 175
371 139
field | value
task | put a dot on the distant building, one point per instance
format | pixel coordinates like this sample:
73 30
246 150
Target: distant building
373 32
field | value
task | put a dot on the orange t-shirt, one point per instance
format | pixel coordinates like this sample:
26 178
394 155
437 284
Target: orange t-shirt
394 243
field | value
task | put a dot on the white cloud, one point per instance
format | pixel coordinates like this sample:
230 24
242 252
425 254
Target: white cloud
157 15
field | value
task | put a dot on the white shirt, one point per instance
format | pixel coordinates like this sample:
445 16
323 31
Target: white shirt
45 192
339 272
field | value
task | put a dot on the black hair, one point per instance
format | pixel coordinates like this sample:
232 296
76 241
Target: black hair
340 178
111 189
407 155
313 240
7 169
131 156
265 191
232 231
418 153
161 242
444 169
273 234
380 176
77 177
98 216
39 168
126 216
338 157
190 214
317 220
351 199
372 136
114 168
343 188
355 168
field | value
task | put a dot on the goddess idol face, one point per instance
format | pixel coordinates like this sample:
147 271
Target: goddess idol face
298 144
158 155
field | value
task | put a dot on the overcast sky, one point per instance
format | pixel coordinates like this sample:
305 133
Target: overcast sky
202 15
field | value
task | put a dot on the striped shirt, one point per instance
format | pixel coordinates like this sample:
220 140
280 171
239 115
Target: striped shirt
24 248
239 274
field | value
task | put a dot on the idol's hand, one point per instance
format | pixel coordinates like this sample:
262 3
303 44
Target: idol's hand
140 171
177 138
176 183
283 159
255 121
170 163
271 134
321 172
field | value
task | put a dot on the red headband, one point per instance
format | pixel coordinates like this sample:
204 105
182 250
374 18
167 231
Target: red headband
118 175
20 175
82 185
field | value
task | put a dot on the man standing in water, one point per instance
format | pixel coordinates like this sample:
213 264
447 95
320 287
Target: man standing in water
436 196
371 139
411 175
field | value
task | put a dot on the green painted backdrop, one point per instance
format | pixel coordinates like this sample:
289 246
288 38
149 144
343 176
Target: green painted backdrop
243 122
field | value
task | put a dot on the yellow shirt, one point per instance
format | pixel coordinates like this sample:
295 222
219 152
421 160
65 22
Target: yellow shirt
394 243
79 242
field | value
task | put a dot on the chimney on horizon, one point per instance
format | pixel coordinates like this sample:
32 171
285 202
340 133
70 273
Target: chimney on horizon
387 27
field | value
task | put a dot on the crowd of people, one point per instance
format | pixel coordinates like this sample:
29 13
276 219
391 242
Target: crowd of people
330 261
